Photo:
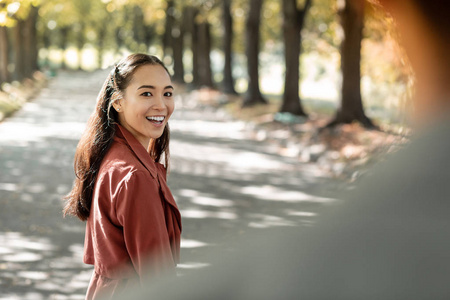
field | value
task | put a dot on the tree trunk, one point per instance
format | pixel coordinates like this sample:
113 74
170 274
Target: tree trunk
203 59
351 107
34 38
101 43
178 47
46 39
149 35
19 61
195 53
30 50
26 47
167 37
80 45
292 26
4 55
118 36
64 31
228 81
190 37
253 95
138 27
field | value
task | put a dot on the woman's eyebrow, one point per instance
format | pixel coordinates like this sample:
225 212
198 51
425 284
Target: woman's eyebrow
152 87
146 87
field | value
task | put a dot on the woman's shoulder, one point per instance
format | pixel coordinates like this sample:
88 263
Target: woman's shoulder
121 160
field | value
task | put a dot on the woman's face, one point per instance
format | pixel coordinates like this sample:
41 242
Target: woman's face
147 103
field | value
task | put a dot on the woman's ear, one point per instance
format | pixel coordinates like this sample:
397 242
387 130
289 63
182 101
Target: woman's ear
117 106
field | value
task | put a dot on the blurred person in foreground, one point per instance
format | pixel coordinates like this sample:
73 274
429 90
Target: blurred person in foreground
390 239
133 224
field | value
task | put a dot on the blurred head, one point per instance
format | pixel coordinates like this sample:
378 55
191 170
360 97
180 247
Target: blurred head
138 95
424 27
434 12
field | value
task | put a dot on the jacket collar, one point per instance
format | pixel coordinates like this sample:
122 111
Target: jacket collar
139 150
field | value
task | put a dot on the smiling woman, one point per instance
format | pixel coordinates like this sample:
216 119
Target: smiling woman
147 103
120 187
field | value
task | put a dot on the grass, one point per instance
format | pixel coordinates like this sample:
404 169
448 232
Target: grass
14 95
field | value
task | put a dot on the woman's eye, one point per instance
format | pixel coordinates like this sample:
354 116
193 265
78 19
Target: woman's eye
146 94
168 94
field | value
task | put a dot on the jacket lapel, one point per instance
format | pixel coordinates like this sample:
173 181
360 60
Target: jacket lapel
168 194
151 166
139 150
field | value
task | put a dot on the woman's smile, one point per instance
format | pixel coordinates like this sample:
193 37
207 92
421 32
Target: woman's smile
157 121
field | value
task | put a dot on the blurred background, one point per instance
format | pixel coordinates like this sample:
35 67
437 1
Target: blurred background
220 44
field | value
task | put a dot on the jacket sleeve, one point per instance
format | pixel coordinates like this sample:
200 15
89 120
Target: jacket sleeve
140 212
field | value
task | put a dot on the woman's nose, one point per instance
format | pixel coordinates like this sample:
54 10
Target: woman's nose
158 103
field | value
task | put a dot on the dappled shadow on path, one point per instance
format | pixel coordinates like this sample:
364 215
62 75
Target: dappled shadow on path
228 186
41 252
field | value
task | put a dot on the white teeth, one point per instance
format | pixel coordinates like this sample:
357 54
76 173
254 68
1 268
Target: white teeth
158 119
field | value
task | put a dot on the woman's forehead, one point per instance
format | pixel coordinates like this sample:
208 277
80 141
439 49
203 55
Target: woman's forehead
154 75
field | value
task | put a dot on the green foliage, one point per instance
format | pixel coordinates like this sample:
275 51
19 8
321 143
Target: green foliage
322 32
105 24
13 10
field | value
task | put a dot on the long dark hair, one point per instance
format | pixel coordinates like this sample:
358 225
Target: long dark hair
100 131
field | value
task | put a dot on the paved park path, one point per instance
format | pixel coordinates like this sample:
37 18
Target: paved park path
226 185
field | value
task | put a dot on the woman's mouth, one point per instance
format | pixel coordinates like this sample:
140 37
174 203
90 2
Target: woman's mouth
156 120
